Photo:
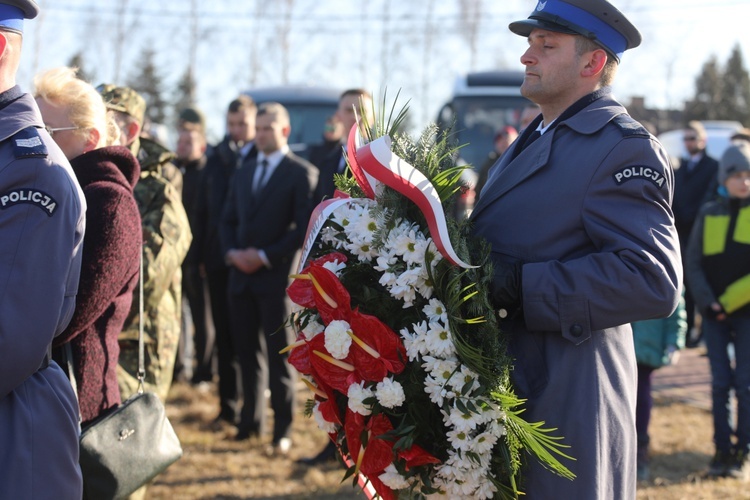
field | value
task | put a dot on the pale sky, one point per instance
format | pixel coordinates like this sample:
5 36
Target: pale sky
338 43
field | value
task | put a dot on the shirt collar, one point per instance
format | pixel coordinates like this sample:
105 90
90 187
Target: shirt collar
275 157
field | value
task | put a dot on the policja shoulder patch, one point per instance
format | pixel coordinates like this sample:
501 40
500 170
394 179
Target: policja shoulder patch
639 172
31 196
27 143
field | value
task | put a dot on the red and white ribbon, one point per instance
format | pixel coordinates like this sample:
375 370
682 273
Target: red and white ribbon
376 162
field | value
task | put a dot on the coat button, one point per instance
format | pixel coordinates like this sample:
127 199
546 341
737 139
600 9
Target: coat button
576 330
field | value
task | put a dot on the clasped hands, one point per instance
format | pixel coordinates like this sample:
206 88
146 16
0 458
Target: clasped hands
246 260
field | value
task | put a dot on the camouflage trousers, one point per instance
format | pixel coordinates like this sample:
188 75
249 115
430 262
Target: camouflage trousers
159 362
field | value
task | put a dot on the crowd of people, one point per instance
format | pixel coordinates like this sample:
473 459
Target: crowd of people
88 202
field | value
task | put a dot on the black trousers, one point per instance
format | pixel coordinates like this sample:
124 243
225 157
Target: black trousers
228 368
196 290
258 333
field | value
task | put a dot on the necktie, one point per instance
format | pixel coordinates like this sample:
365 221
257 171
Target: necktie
260 179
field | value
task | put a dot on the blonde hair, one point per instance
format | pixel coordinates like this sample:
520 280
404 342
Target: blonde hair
83 104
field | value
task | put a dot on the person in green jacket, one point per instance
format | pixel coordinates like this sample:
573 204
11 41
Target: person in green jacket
657 343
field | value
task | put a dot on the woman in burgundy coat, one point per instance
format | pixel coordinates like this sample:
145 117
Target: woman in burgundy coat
74 114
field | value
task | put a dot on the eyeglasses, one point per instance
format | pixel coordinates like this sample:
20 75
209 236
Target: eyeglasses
689 138
51 131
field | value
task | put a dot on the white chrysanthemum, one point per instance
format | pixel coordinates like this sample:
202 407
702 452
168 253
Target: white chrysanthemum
497 428
416 255
484 442
323 424
440 341
335 267
435 311
330 235
391 478
312 328
338 340
356 394
385 262
459 420
459 440
405 243
363 249
437 391
390 393
486 489
465 376
441 369
414 343
388 280
366 226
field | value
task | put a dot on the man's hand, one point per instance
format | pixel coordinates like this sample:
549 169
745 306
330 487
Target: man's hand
716 312
248 260
505 292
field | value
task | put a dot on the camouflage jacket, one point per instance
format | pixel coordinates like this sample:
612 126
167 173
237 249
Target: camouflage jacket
166 239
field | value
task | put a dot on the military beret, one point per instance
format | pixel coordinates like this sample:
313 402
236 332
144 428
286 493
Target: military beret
597 20
13 12
123 99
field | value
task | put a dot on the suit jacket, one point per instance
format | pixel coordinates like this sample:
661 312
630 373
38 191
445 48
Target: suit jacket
692 188
274 220
586 208
327 168
209 204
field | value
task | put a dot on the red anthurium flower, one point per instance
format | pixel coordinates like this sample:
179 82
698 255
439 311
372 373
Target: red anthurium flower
378 453
416 456
302 289
332 300
328 371
299 356
381 340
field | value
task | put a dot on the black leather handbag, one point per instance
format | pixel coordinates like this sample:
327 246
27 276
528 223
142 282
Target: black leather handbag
131 444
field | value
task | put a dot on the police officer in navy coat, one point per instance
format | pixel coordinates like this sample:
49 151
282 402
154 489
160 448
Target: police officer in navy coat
578 215
41 232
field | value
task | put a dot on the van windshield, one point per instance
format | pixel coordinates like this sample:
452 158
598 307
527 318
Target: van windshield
477 119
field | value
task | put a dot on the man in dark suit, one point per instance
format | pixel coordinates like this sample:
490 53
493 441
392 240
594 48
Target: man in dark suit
694 183
262 227
226 157
351 103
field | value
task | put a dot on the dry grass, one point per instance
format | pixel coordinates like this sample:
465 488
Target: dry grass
215 467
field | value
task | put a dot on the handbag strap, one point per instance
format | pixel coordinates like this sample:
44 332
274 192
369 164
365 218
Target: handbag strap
141 364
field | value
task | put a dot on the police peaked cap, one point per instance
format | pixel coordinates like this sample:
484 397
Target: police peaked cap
13 12
597 20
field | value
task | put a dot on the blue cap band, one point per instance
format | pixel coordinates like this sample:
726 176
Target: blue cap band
605 34
11 17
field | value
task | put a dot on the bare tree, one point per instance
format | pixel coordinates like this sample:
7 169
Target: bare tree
470 16
283 32
429 31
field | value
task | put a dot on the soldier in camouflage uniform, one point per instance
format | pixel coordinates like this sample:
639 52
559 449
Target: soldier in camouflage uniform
166 239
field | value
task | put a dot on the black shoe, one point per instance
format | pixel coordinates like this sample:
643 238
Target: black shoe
739 467
327 454
245 434
720 463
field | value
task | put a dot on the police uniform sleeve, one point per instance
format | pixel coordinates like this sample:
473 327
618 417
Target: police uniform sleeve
633 272
41 230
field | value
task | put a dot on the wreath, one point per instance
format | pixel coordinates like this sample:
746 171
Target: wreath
397 339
